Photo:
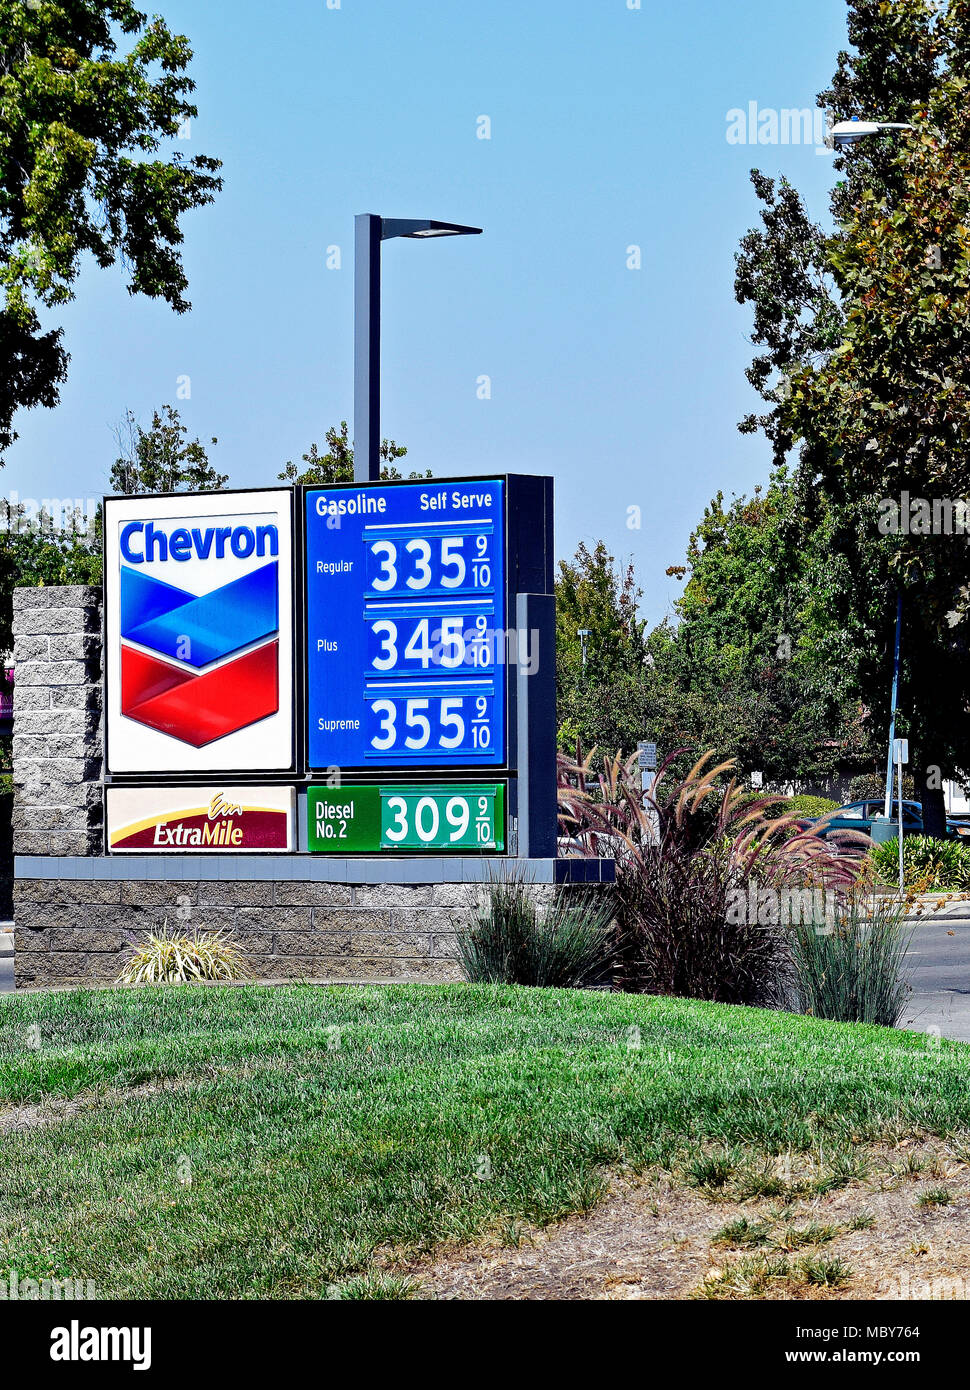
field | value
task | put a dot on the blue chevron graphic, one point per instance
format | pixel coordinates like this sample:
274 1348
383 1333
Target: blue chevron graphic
161 617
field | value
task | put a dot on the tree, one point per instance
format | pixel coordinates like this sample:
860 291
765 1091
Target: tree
875 396
43 551
162 458
337 464
79 124
605 704
755 666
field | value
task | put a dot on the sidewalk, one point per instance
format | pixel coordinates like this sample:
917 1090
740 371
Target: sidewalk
6 957
939 960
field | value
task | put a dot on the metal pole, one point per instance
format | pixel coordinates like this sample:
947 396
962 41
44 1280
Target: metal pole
899 788
367 348
887 810
535 621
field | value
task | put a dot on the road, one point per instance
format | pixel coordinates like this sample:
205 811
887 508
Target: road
939 960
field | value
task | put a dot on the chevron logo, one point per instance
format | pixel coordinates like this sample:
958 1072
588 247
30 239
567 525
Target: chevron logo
200 666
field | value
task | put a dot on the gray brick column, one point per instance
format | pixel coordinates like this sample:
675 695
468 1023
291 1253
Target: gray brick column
58 742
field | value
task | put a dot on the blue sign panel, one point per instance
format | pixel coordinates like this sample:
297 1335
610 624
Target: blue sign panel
406 625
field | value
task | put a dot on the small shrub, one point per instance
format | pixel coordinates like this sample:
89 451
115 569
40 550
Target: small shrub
808 807
871 786
172 959
686 852
826 1274
936 1197
793 1238
850 969
928 865
515 942
711 1170
743 1232
862 1221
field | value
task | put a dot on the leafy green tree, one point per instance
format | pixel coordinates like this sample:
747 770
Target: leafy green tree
755 666
605 704
162 458
43 551
80 122
868 376
337 464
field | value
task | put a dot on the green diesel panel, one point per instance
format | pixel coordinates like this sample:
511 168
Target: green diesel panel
431 816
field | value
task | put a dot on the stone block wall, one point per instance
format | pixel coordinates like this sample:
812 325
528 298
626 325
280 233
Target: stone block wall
57 738
76 930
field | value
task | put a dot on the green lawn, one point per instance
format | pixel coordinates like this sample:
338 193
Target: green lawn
320 1125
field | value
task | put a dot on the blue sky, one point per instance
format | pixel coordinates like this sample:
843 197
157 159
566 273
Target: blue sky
608 130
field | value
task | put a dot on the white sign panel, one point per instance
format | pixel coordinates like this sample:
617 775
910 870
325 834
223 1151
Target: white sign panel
193 820
199 632
647 755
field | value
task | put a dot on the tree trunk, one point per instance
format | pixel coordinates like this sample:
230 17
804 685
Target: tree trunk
931 794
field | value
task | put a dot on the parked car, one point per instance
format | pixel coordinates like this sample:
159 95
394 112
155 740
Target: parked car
859 815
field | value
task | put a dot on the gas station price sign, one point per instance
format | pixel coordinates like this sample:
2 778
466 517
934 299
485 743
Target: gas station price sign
406 625
430 817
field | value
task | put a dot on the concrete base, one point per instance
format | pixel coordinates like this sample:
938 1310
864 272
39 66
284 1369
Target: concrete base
314 868
296 917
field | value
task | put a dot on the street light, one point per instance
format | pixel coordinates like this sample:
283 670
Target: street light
370 231
851 132
583 633
842 134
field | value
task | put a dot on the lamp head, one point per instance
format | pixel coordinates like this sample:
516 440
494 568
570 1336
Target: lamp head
850 132
420 228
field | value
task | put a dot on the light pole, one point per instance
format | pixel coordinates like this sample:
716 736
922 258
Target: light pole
843 134
583 633
369 232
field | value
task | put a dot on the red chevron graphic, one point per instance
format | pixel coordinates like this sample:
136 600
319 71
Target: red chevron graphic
199 709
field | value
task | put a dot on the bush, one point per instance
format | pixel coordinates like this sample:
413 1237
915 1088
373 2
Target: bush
514 942
928 865
185 960
681 938
683 859
850 969
871 786
811 806
801 807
